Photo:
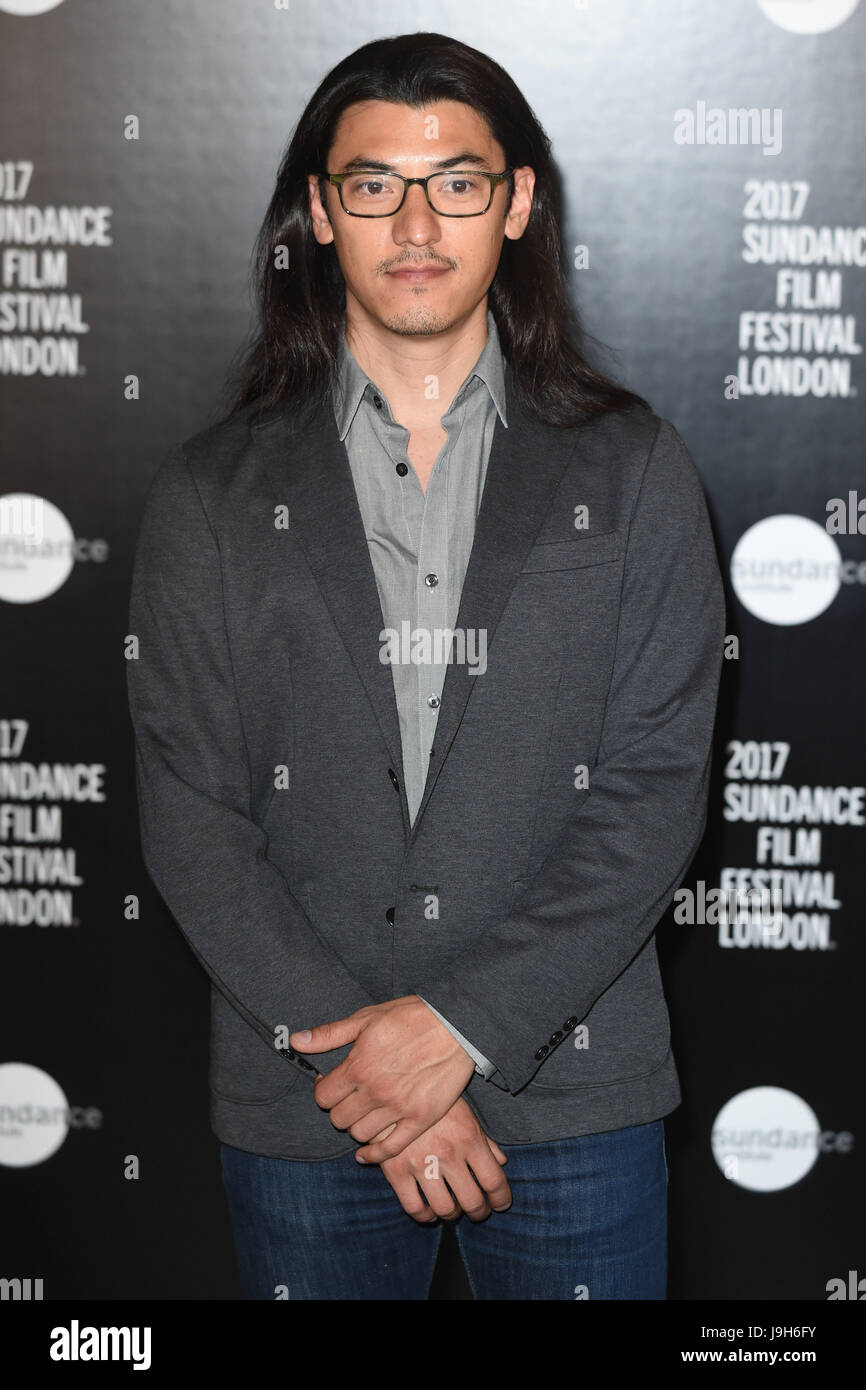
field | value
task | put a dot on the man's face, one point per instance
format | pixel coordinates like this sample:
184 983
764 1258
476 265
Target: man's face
417 272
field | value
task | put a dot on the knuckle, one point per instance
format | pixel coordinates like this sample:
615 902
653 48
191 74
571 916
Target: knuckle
477 1213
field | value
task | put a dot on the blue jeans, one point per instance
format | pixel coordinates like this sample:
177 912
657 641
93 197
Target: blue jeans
588 1220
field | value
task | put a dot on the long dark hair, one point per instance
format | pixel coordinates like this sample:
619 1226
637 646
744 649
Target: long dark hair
292 357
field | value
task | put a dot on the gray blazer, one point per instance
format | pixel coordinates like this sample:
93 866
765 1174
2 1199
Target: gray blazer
522 902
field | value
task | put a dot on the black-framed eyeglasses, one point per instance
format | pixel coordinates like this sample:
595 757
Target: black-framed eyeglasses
451 193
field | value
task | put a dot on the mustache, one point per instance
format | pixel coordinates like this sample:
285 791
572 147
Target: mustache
429 263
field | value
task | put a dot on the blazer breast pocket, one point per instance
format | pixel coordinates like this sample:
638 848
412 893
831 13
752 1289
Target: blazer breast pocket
582 550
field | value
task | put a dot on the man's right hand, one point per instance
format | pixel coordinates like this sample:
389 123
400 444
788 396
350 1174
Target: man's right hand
445 1153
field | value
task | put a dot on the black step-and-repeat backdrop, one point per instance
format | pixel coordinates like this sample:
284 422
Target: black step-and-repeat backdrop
712 159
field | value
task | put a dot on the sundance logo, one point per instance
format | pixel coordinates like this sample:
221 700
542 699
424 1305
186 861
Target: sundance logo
76 1343
786 570
28 7
35 1116
808 16
767 1138
38 548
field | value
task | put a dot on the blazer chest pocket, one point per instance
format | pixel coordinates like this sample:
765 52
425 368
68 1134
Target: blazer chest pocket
573 554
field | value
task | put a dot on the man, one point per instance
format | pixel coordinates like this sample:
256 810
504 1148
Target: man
430 633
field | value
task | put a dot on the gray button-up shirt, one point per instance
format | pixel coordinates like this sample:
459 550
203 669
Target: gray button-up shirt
420 544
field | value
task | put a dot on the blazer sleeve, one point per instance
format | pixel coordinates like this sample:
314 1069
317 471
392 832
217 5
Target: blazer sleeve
613 869
205 854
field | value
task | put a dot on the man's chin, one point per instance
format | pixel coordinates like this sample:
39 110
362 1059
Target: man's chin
422 323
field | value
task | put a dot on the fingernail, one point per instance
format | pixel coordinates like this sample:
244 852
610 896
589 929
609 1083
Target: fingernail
359 1159
304 1037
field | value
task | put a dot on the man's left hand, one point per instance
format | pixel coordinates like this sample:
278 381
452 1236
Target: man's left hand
405 1069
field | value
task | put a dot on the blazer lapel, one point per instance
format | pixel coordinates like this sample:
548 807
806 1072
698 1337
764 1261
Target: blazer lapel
308 467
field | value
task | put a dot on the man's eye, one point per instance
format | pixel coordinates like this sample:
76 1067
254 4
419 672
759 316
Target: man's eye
462 185
370 187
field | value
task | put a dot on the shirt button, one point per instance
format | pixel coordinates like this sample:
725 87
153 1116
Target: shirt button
377 401
402 469
392 774
433 701
569 1024
555 1038
389 916
542 1053
431 580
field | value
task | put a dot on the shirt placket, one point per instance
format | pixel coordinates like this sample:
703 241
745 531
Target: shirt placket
428 603
433 599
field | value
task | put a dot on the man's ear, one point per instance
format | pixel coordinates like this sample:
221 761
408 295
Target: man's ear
322 229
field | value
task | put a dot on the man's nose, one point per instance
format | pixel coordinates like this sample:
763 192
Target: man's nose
416 222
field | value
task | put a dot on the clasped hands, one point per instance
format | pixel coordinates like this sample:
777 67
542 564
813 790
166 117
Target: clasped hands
399 1093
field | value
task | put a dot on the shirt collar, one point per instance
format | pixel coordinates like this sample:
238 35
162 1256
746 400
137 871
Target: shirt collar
351 381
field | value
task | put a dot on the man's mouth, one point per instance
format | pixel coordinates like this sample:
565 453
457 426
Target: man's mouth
418 274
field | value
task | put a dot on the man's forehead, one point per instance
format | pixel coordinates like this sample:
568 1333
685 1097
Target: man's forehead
436 121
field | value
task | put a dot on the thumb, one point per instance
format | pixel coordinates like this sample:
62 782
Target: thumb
327 1035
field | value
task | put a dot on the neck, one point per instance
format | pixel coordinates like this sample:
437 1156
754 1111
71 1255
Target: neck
401 364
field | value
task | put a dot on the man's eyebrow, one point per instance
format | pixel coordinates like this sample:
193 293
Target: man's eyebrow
457 161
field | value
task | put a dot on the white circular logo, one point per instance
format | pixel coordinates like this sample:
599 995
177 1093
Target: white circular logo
765 1139
29 6
786 569
808 16
37 548
34 1115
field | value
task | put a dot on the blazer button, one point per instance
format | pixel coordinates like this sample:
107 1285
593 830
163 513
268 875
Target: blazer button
308 1066
542 1052
555 1038
392 774
569 1024
389 916
290 1054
